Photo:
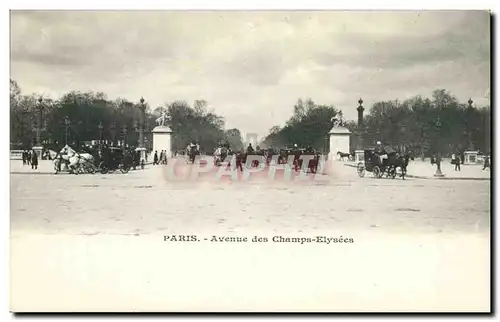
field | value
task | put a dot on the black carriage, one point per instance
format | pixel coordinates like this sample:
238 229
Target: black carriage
372 163
115 159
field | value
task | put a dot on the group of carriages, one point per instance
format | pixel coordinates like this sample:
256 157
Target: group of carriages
104 159
223 155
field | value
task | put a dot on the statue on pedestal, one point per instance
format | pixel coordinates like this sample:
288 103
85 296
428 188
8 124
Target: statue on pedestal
337 121
163 119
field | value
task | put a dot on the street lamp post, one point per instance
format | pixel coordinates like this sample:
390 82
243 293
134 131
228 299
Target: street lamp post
112 130
403 139
38 129
469 133
67 122
100 132
360 110
142 108
438 156
124 130
142 118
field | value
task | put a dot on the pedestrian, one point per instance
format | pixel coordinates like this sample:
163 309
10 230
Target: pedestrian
454 160
161 157
457 162
155 159
28 157
24 156
34 160
486 163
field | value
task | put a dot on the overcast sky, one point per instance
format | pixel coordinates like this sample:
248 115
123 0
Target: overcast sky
253 66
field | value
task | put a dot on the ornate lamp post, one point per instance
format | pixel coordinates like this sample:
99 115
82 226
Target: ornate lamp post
100 127
67 123
112 130
142 118
38 128
469 133
438 156
142 108
360 110
136 126
124 130
403 137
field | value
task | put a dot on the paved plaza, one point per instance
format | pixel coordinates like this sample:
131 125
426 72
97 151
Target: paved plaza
96 239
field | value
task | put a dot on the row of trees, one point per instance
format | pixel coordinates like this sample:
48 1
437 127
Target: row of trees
410 123
79 117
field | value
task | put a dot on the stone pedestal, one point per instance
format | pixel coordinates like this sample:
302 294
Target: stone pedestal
359 156
470 157
339 141
162 139
38 150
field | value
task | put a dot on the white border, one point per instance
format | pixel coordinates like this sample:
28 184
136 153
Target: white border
183 5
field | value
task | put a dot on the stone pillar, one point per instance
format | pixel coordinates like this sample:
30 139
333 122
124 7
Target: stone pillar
359 152
359 141
162 140
339 141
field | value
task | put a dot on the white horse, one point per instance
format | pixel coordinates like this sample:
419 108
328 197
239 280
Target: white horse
74 159
220 154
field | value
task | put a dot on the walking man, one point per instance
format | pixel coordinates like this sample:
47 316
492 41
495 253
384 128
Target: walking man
34 160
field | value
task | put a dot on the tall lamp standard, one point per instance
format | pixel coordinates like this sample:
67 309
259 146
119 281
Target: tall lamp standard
100 127
124 130
67 122
469 133
38 129
142 109
438 157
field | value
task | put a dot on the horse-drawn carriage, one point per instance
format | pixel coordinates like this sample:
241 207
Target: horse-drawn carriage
115 159
372 163
380 166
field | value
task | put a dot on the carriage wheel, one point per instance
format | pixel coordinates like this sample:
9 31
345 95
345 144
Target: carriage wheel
91 169
124 169
361 170
104 169
376 172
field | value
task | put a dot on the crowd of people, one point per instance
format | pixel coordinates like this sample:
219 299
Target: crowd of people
30 158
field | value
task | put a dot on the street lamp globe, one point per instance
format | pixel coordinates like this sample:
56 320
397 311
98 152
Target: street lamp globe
438 123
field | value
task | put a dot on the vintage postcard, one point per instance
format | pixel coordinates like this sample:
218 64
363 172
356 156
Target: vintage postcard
250 161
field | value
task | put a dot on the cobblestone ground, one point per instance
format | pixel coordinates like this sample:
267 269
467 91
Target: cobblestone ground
97 242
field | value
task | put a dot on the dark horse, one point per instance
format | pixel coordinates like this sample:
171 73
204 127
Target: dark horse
401 161
192 153
343 155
